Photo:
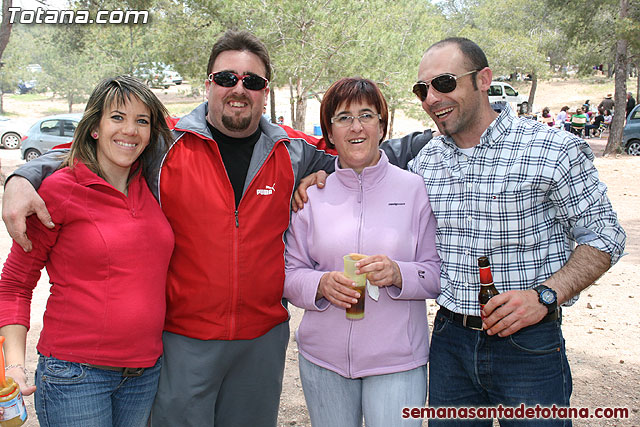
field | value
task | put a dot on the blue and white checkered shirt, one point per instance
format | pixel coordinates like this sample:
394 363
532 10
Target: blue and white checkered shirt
524 197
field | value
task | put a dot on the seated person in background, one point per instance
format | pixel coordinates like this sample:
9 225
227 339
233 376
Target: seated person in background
561 118
578 122
547 118
608 117
595 124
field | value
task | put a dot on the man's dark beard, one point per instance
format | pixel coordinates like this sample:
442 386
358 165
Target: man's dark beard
236 124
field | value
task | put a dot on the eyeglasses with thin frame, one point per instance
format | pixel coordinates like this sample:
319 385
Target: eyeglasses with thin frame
365 119
444 83
230 79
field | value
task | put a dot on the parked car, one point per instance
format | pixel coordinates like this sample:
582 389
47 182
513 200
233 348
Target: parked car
10 134
173 75
631 133
157 74
48 132
26 86
501 91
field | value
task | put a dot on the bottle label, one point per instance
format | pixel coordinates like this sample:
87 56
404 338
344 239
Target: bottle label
14 408
485 275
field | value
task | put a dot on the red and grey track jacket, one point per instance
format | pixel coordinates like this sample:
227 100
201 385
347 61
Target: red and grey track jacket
226 275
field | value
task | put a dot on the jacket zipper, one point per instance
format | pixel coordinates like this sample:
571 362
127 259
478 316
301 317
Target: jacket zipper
236 249
359 250
234 279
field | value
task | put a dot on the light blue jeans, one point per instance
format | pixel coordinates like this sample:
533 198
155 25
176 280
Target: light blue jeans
72 394
336 401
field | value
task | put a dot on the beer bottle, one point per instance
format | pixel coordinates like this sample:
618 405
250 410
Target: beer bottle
487 288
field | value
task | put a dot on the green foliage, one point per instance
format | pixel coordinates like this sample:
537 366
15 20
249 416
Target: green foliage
71 66
312 44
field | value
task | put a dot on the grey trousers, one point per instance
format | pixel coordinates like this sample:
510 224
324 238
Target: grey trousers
216 383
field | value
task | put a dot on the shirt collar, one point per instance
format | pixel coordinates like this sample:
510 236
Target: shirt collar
494 133
86 177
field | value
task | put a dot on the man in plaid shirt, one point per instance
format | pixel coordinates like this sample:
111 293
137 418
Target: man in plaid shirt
528 197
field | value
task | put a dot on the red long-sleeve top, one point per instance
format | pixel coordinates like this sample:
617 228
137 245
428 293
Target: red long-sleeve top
107 261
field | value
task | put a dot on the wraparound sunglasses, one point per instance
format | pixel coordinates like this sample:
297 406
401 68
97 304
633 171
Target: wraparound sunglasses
229 79
444 83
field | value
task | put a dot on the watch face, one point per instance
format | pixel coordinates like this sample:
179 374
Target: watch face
547 296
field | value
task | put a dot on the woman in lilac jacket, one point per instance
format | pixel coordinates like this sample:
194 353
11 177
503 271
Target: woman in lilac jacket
373 367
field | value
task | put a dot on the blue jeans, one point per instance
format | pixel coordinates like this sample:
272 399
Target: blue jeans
72 394
469 368
336 401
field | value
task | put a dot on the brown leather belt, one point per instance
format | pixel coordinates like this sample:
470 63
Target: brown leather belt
126 372
475 322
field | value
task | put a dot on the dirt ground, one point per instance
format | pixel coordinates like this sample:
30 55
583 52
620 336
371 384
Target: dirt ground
601 329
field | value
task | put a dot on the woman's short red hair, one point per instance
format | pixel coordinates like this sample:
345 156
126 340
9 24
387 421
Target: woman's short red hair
351 89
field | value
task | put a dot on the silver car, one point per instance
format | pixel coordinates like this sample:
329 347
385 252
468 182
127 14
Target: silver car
10 135
48 132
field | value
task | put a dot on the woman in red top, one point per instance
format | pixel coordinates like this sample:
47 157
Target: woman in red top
107 258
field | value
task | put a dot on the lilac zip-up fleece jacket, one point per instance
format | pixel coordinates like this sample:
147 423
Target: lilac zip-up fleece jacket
382 211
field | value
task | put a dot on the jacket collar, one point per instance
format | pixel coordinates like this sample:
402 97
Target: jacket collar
368 178
85 177
196 122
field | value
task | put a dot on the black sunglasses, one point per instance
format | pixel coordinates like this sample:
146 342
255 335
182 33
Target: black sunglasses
229 79
444 83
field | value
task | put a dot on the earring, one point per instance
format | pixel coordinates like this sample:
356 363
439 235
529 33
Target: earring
94 135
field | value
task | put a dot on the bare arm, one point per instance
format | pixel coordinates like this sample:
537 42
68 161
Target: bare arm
19 201
513 310
14 350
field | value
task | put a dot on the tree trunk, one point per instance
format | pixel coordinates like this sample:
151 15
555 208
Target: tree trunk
5 27
301 112
391 118
272 102
617 125
609 70
292 104
301 106
70 99
532 92
1 102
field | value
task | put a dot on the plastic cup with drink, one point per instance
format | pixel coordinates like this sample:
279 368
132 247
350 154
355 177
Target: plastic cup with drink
356 311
